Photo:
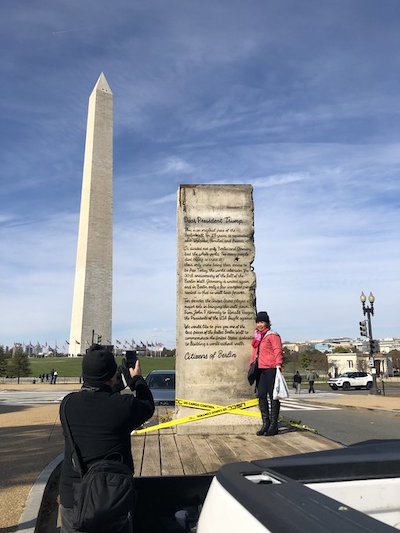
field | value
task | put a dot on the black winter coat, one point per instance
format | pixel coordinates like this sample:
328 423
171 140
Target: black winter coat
101 422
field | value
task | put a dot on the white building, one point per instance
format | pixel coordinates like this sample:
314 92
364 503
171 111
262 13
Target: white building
338 363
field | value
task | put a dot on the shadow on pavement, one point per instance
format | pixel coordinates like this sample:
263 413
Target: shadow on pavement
12 409
48 514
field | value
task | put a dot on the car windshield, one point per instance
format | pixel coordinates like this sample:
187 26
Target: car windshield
346 375
161 381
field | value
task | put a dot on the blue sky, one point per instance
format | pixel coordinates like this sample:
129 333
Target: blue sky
299 99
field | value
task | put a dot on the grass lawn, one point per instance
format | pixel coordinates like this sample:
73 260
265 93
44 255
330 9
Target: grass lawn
72 366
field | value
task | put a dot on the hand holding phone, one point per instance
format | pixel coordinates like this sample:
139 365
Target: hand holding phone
137 371
131 358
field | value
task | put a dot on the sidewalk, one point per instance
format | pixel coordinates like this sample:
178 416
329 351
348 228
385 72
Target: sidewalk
356 401
31 438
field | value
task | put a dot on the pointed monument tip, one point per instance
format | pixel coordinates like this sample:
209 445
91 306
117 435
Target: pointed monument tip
102 84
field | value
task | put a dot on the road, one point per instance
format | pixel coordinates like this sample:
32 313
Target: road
344 425
14 397
347 425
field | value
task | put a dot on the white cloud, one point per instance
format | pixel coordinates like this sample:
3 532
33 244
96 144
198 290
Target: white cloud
276 180
176 165
168 198
204 93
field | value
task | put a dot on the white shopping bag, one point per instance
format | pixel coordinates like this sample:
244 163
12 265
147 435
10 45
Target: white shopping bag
281 390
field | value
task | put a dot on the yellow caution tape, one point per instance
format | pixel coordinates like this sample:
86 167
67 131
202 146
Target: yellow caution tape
208 406
196 405
297 425
211 410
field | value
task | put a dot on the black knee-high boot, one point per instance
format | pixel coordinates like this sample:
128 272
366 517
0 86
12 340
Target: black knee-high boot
275 407
263 405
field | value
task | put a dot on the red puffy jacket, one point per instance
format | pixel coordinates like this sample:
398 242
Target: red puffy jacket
271 354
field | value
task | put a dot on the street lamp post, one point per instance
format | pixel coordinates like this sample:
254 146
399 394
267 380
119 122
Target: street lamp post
369 310
99 337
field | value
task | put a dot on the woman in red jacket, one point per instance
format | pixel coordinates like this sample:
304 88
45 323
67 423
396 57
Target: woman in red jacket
268 346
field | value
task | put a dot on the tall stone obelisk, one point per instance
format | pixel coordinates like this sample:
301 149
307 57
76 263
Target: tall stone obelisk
92 302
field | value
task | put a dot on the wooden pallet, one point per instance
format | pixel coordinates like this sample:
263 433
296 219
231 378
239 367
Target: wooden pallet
165 453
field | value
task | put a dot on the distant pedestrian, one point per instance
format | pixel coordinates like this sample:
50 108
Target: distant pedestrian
297 382
51 376
55 377
311 377
47 378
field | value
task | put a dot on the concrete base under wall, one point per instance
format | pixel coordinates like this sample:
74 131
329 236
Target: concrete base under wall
217 425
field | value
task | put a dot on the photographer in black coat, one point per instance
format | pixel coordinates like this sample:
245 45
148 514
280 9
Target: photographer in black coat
101 421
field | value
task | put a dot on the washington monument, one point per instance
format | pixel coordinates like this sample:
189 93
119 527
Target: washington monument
92 302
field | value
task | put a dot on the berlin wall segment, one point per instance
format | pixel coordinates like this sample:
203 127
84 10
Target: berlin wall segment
215 292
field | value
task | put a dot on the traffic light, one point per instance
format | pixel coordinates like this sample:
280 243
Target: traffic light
363 328
374 344
99 338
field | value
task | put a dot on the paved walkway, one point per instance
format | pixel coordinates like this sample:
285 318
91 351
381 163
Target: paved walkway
31 438
360 401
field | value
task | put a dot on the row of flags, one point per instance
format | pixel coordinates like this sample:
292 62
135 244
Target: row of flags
39 348
134 345
152 346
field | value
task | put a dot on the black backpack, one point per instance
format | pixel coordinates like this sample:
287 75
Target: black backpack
105 495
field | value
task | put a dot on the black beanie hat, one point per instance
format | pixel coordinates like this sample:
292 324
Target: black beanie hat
98 365
262 316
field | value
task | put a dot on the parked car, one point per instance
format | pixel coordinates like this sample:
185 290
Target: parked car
348 380
162 385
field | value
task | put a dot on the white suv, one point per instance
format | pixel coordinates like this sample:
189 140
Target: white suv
358 380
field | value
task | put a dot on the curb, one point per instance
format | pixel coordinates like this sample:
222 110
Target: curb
29 516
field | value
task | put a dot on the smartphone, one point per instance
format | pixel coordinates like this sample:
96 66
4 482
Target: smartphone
131 358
